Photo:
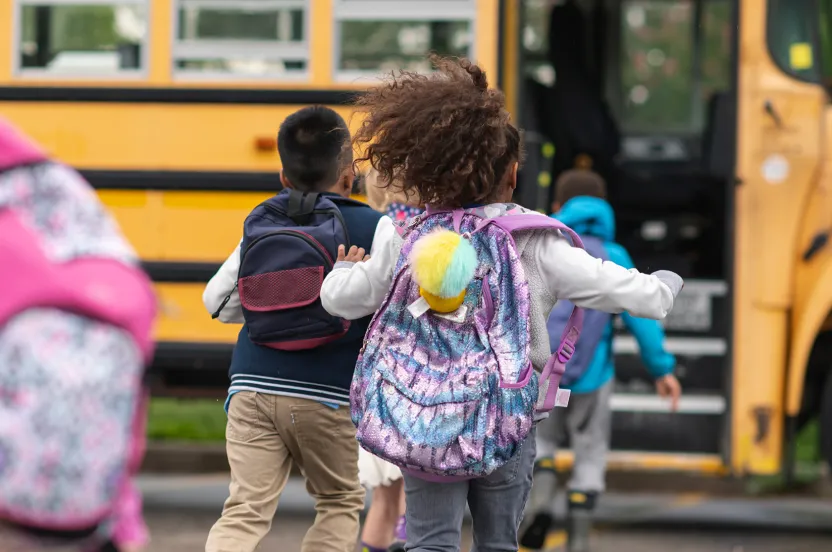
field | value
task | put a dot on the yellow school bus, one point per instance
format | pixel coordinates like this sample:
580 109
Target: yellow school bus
710 120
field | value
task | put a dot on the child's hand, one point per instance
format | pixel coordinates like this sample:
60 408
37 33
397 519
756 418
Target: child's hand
669 387
672 280
355 254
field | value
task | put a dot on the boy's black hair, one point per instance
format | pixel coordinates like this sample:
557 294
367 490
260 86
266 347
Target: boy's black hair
579 182
314 148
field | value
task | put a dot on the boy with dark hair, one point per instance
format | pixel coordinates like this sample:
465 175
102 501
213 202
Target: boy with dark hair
289 396
580 204
314 148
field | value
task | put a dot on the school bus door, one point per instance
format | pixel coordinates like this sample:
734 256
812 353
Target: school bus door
667 84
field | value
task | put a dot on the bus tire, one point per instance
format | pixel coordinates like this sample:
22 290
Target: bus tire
826 421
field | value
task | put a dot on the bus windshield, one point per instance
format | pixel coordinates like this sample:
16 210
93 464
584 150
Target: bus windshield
825 41
799 40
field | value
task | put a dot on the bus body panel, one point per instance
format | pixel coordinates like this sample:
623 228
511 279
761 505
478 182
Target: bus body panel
157 136
813 276
182 316
778 148
182 226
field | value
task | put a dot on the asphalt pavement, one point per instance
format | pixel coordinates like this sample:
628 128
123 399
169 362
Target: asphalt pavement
181 509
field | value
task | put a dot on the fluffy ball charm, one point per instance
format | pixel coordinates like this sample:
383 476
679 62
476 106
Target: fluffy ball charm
443 264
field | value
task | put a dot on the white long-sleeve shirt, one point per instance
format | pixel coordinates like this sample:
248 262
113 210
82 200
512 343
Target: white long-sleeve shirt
223 283
554 268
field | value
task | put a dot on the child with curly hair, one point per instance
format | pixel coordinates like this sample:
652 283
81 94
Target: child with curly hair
447 137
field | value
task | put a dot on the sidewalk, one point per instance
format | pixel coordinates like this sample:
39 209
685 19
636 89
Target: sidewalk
693 510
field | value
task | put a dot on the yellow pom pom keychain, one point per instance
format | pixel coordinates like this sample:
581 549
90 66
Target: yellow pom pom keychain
443 264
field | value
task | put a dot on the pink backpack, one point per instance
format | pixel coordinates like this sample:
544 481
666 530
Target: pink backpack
75 336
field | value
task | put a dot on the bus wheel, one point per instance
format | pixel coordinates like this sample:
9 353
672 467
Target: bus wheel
826 421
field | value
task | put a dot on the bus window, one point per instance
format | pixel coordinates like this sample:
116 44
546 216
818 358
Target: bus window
535 39
662 63
376 37
78 38
656 56
672 61
791 37
825 41
259 38
716 38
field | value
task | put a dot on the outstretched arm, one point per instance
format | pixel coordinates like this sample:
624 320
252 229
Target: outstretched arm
648 333
573 274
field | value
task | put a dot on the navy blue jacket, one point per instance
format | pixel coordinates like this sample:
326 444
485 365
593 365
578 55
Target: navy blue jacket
322 374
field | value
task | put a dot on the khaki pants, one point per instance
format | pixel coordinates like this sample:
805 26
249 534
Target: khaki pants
265 433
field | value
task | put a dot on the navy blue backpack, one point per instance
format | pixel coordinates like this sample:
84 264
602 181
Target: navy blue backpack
595 322
290 243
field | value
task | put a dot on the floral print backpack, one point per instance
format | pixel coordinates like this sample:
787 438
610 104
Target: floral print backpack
76 313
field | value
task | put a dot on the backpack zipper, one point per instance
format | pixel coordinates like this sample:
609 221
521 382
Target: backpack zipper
225 301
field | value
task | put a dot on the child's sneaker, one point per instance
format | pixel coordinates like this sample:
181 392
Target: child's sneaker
579 520
540 517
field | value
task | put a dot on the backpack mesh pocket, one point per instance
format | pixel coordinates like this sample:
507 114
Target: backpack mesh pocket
281 290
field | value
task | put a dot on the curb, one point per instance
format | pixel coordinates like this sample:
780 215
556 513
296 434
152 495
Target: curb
171 458
184 458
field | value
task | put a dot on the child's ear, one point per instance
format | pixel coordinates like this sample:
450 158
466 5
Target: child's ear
512 181
347 180
285 181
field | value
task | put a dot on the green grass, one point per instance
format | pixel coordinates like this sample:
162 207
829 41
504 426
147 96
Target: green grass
186 420
808 443
808 465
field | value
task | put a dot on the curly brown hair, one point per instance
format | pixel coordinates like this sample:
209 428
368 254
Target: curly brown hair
445 136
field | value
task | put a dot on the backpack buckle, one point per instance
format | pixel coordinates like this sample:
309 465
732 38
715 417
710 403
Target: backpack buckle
565 352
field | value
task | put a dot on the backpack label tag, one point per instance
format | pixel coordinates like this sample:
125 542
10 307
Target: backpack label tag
457 316
562 398
418 307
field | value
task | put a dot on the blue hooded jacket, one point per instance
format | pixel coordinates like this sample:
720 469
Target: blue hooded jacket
591 216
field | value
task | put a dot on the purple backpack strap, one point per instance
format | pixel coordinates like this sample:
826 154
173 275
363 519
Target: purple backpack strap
556 366
457 213
515 223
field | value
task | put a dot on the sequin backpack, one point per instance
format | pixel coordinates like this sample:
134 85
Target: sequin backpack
76 313
452 395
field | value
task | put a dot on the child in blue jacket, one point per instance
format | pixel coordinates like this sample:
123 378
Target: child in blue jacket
580 204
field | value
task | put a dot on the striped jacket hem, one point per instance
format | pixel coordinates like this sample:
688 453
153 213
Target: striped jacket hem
289 388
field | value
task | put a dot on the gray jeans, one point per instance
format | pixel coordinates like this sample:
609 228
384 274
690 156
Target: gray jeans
587 422
435 510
